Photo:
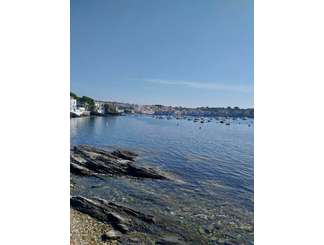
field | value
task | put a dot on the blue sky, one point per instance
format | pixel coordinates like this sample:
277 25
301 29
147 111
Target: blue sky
172 52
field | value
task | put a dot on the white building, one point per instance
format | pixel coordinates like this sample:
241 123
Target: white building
73 104
119 110
100 107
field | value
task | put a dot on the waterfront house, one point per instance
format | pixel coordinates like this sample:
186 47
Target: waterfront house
119 110
76 110
73 104
99 107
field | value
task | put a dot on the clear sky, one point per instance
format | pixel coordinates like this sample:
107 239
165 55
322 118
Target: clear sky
172 52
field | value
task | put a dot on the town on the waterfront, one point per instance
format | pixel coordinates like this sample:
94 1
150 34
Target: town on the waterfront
86 106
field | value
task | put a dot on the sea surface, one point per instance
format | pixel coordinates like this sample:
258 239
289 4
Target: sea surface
211 162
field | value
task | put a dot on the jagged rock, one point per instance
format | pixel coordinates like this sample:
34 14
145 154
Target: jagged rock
78 169
120 217
91 161
124 154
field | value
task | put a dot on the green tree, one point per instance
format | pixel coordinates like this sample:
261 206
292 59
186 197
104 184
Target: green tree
73 95
87 102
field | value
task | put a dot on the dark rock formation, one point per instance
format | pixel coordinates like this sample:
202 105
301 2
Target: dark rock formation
121 218
111 235
91 161
124 154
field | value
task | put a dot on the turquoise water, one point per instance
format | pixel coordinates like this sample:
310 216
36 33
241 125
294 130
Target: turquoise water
211 162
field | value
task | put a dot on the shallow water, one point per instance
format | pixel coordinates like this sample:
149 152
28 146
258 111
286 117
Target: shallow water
213 162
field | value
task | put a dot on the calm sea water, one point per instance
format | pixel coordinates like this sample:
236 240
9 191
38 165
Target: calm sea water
212 161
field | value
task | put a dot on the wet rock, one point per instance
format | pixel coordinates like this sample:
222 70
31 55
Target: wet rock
119 217
227 242
123 228
247 228
209 228
79 170
170 240
214 238
90 161
220 241
116 218
124 154
111 235
231 242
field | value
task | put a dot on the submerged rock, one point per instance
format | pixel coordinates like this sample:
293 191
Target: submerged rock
90 161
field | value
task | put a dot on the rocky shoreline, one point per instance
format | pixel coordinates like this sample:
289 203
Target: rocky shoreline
96 220
108 222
